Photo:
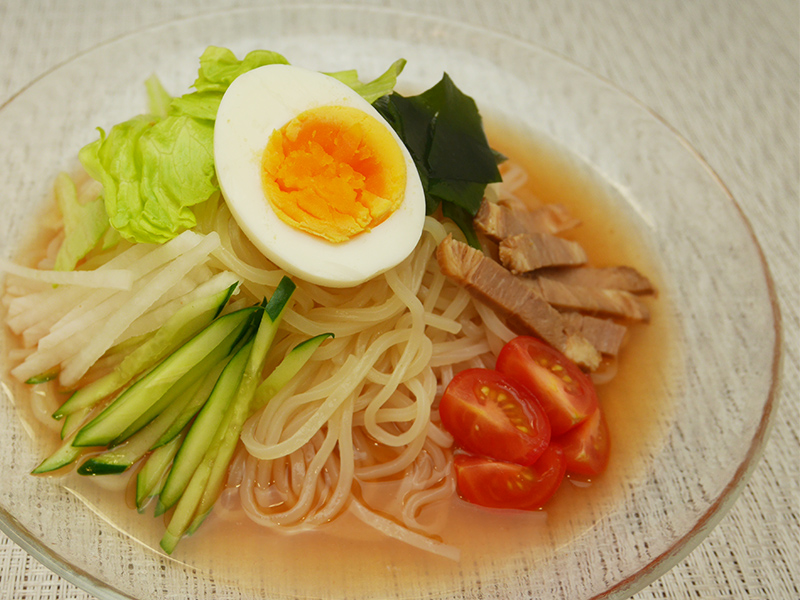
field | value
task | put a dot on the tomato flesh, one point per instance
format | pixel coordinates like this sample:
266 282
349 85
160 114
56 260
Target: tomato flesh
489 414
498 484
564 391
586 447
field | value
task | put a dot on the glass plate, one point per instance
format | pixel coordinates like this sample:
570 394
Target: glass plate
716 302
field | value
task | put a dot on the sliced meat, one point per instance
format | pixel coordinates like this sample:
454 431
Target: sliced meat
525 311
527 252
609 278
590 300
499 220
604 334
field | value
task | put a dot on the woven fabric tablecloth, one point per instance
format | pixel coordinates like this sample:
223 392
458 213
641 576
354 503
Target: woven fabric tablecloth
725 74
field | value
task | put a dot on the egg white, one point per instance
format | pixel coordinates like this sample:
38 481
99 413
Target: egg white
265 99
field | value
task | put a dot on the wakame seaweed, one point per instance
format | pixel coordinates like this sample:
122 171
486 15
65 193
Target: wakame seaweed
443 132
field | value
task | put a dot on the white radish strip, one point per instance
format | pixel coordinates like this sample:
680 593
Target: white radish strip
154 319
36 315
62 299
160 255
43 361
102 303
138 304
95 315
197 276
19 354
117 279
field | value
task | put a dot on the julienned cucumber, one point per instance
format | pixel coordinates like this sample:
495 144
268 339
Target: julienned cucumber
218 339
186 412
203 429
280 376
202 477
186 322
151 477
288 368
122 457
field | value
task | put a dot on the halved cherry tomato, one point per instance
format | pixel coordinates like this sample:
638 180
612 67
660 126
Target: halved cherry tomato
500 484
491 415
564 391
587 446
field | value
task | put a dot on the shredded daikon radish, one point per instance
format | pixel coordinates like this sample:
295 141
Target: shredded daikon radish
75 368
58 301
117 279
96 307
154 319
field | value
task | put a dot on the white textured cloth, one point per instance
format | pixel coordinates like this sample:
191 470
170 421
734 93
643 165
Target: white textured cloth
724 74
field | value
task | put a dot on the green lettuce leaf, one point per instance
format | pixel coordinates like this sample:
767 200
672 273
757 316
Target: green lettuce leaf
376 88
158 99
84 224
152 172
219 67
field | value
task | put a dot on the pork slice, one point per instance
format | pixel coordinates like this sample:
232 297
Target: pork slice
499 220
524 253
604 334
591 300
609 278
525 311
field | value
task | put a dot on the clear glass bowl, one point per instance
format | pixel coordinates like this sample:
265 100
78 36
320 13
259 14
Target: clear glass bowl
716 298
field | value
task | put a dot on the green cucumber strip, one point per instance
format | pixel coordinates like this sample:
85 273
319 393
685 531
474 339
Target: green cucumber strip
208 476
191 408
122 457
224 445
185 323
280 376
42 378
288 368
184 511
203 430
73 421
139 397
180 389
280 299
153 473
199 371
65 454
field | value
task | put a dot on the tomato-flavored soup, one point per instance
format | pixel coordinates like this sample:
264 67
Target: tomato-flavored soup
347 557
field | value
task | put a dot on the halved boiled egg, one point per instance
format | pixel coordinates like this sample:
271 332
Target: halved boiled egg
315 177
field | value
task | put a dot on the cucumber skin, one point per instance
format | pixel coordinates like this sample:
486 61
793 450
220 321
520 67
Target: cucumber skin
203 430
207 309
151 477
158 381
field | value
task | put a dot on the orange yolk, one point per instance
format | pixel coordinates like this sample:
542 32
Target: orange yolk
333 172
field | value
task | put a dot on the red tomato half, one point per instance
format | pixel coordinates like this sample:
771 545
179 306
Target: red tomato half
564 391
499 484
587 446
490 415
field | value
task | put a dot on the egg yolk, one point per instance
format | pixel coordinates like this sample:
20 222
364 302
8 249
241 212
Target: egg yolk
333 172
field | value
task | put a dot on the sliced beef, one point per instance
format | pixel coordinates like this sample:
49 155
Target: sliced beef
590 300
609 278
523 253
604 334
524 309
499 220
